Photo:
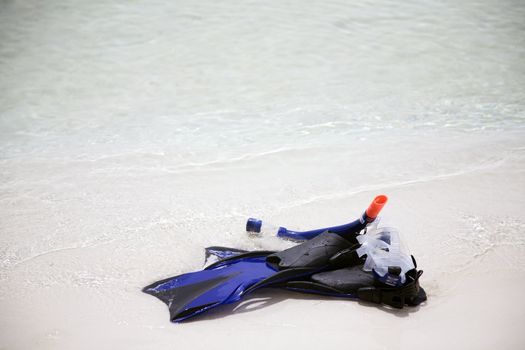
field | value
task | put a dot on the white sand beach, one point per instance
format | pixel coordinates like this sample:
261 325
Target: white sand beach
133 135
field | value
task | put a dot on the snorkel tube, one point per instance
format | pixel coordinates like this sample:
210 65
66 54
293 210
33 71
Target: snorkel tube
346 230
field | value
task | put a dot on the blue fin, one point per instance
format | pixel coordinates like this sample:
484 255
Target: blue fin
192 293
238 274
308 267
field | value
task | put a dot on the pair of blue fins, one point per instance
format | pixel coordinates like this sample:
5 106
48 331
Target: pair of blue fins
328 262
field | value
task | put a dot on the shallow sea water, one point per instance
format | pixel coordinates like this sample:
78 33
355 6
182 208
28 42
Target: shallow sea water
133 134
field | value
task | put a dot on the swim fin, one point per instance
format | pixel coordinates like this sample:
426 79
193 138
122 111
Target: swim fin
231 278
192 293
348 280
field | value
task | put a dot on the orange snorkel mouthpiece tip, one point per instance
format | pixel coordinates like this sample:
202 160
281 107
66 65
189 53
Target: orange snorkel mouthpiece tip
375 207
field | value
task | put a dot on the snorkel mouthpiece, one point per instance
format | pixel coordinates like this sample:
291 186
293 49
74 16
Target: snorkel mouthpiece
253 225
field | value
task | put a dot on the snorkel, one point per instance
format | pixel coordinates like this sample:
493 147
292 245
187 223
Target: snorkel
345 231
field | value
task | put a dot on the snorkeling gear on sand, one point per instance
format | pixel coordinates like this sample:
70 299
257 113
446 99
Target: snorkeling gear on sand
392 279
329 263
